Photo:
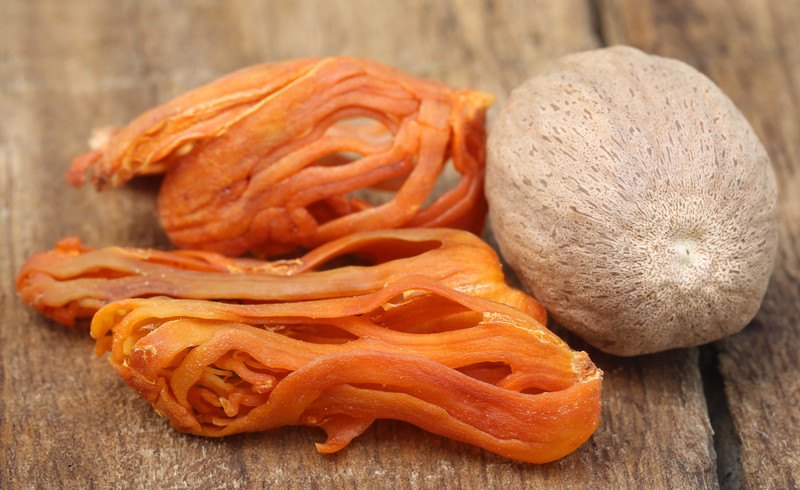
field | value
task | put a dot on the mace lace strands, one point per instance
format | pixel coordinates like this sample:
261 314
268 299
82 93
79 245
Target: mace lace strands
74 281
459 366
269 158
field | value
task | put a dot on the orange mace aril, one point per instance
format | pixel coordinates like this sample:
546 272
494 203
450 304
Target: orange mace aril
463 367
267 159
75 281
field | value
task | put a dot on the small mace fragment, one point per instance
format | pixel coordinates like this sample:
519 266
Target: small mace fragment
267 159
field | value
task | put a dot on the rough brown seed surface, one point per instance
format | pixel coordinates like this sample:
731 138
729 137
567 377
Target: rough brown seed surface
634 200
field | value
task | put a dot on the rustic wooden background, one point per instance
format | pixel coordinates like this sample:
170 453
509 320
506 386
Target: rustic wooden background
724 415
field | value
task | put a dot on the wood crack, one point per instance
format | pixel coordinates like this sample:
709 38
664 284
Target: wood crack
8 299
595 8
727 444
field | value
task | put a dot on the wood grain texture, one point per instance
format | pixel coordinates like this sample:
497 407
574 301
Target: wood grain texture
65 416
752 51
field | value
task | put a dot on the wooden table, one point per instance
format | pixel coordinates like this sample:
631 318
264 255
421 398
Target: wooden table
721 415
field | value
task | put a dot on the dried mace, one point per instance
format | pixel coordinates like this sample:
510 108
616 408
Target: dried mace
267 159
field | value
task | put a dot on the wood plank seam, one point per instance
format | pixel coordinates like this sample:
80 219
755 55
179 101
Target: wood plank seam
727 444
8 303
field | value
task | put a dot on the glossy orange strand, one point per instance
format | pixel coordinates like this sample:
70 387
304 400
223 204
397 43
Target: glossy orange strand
472 369
74 281
267 159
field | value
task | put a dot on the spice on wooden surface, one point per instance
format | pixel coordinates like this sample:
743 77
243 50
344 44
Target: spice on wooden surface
266 159
459 366
74 281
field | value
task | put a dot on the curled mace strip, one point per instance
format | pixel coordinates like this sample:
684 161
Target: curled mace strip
456 365
74 281
266 159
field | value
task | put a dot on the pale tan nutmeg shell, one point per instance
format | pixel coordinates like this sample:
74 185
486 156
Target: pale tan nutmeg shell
634 201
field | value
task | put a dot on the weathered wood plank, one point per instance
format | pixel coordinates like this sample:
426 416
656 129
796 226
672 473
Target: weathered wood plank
67 418
69 66
752 50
